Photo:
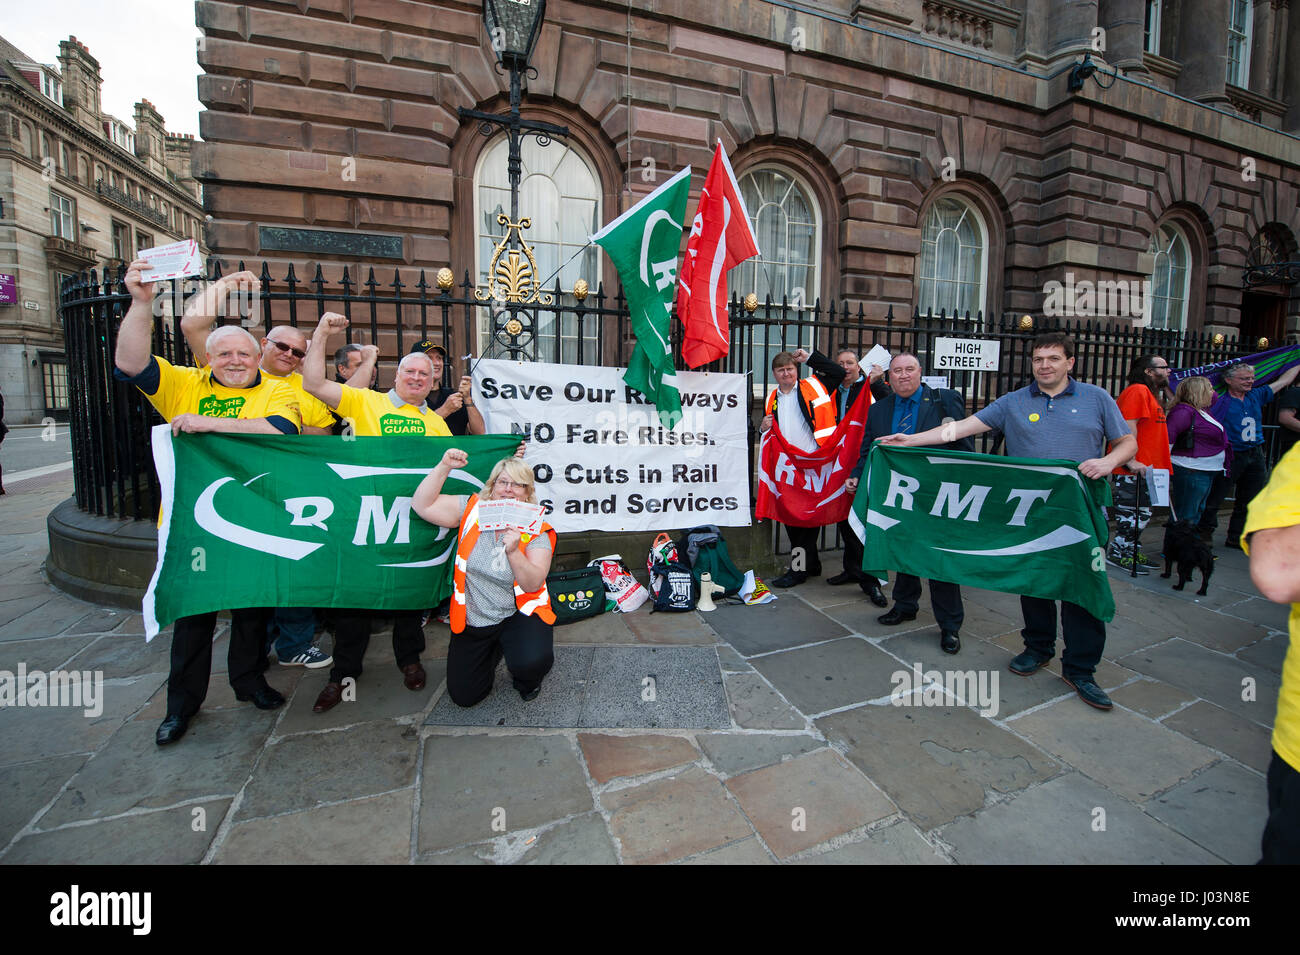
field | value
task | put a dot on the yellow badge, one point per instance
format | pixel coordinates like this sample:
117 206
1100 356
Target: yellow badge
1034 416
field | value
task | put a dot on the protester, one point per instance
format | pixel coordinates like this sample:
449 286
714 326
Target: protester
1272 540
453 405
914 407
805 411
349 360
845 395
1054 417
232 397
373 414
1200 449
1241 412
1143 405
500 604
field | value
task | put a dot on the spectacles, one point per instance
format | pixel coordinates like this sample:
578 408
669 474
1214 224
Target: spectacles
506 484
297 353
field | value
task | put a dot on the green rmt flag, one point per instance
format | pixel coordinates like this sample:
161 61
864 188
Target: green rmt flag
1019 525
643 244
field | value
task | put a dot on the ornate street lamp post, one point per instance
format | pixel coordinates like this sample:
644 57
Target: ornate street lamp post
513 27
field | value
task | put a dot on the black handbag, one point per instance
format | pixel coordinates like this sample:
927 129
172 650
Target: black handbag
576 594
1187 440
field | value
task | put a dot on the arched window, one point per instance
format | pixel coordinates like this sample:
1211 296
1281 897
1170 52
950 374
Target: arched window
954 258
1170 278
560 192
786 223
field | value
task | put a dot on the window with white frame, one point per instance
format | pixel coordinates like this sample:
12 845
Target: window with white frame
1170 278
954 259
559 192
51 87
1240 15
787 225
1151 28
63 217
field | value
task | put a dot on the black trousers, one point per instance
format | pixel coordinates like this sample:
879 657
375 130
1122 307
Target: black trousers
806 538
525 640
1250 473
945 600
352 637
852 552
191 663
1084 635
1281 840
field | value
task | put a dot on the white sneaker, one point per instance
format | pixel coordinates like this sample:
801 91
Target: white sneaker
313 658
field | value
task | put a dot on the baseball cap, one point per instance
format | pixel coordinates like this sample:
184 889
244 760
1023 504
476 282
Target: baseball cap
427 346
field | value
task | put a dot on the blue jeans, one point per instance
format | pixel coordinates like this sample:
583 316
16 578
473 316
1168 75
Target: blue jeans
297 626
1188 489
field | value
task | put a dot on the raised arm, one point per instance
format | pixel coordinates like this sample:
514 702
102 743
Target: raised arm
314 381
1284 379
204 424
364 372
201 311
944 434
476 424
430 503
134 336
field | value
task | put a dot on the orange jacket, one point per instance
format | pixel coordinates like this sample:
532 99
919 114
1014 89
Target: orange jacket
819 407
538 601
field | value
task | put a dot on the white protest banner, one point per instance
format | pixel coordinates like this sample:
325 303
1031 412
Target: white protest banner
602 459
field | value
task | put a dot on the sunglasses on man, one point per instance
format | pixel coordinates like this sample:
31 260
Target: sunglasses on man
297 352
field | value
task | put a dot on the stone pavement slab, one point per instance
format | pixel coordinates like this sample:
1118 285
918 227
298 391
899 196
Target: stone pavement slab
861 617
26 788
935 763
1267 653
380 695
558 704
672 818
30 732
1220 810
786 622
1053 824
466 779
1266 613
830 675
221 695
1151 698
168 837
671 628
124 655
654 687
48 653
895 844
48 617
371 831
755 705
583 840
609 757
1214 676
744 852
1245 741
102 620
733 753
806 801
603 628
1164 617
731 661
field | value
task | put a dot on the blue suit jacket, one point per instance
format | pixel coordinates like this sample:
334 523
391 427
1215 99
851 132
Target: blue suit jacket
932 407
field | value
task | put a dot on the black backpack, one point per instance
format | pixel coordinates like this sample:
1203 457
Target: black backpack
672 588
704 551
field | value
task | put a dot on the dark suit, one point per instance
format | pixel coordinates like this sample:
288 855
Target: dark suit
933 406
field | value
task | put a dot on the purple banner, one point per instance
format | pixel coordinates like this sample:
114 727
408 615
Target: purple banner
1267 364
8 290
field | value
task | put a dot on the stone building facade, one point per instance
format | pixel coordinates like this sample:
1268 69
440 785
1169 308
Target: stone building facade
80 189
904 153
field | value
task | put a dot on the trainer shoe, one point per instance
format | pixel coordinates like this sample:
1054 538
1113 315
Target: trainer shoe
1145 561
1126 564
312 658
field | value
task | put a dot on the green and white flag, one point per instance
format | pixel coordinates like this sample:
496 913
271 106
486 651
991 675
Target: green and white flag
1026 526
303 521
643 244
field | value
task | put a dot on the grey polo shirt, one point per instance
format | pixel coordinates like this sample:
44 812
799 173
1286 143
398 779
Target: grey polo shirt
1074 425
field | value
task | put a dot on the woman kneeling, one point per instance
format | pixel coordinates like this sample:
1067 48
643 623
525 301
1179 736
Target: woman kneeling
499 603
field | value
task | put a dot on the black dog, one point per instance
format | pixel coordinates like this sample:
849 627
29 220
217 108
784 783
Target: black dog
1184 547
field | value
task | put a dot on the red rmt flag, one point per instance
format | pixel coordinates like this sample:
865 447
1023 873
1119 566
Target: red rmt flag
721 238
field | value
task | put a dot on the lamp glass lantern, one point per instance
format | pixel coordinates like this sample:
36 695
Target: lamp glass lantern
513 27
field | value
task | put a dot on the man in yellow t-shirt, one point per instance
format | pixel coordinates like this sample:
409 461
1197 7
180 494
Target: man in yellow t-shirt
230 397
371 414
1272 538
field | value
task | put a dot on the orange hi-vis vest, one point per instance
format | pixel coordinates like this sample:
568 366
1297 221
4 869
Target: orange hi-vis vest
538 602
816 399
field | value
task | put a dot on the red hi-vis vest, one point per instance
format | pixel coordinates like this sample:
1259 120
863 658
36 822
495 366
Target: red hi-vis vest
818 402
538 602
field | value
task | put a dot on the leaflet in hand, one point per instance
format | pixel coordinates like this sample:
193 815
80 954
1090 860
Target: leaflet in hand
501 515
173 261
879 355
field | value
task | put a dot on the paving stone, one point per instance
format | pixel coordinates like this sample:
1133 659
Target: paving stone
1008 605
1267 653
437 638
1223 810
733 753
373 831
101 620
558 704
49 653
17 607
605 628
1108 674
1052 824
1243 740
302 772
935 763
25 788
801 803
122 656
481 854
1124 636
861 617
982 621
609 757
817 593
1224 587
1165 617
1263 612
51 616
131 771
772 626
896 844
731 661
1130 755
687 690
155 838
581 841
745 852
1151 698
534 779
829 675
33 732
673 818
755 705
380 695
673 628
1213 676
221 695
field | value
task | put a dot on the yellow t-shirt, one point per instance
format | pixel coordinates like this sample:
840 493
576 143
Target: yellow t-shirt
373 415
315 413
196 391
1278 505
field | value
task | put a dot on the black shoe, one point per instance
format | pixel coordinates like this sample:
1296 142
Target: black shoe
949 641
1089 692
264 698
895 616
530 695
791 578
171 729
841 579
872 590
1026 663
